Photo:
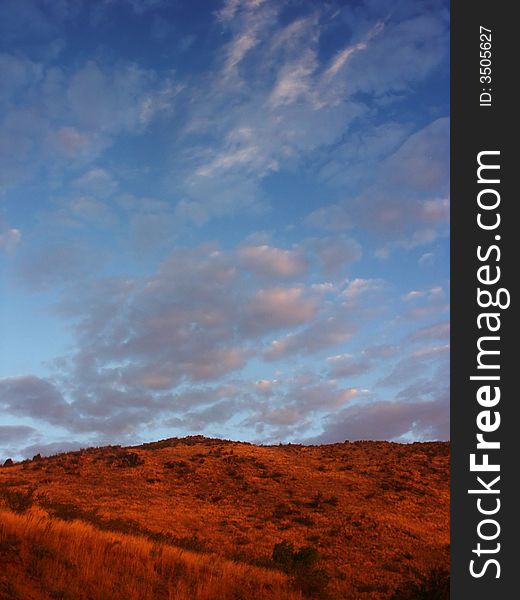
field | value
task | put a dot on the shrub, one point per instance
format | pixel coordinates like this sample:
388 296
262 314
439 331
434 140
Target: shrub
130 459
19 501
304 520
234 473
314 583
302 565
435 587
317 501
283 555
181 467
333 501
283 510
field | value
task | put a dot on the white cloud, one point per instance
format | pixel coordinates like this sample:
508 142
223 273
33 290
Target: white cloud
360 286
427 259
9 239
344 55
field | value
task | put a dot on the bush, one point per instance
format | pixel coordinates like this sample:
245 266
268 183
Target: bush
181 467
121 459
435 587
283 554
283 510
19 501
317 501
314 583
304 520
333 500
130 459
302 565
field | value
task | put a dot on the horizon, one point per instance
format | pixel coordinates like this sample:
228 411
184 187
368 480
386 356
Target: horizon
203 438
231 220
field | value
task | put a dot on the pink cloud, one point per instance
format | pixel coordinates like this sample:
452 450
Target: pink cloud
278 308
270 261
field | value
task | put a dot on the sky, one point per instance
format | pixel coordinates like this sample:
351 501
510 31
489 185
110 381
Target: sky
227 218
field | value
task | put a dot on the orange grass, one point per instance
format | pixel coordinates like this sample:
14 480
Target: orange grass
377 512
46 558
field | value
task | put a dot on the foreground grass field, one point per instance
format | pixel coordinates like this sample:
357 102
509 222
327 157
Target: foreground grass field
211 519
45 558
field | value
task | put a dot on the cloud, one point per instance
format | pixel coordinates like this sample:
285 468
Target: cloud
217 413
96 181
438 331
361 287
344 55
9 238
52 117
55 263
230 8
405 205
382 351
336 254
192 321
294 400
278 308
320 335
16 433
418 363
167 329
142 342
413 295
386 420
51 448
290 96
406 49
434 294
427 259
30 396
294 81
69 142
346 365
270 261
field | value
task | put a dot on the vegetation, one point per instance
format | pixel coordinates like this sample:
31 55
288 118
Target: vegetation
51 559
302 565
19 501
435 587
359 532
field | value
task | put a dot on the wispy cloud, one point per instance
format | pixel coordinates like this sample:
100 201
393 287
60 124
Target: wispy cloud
238 222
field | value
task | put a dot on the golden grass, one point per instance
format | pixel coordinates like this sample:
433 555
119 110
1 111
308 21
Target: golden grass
377 512
46 558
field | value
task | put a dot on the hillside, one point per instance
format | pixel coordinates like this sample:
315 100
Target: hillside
376 512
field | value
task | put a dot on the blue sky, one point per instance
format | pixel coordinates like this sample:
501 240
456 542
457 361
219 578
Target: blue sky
228 218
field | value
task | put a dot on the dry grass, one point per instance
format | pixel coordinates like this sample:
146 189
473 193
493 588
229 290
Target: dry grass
45 558
377 512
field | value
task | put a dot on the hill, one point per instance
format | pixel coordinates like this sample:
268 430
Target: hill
198 518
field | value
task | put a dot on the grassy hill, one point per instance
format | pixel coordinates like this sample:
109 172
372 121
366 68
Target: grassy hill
199 518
